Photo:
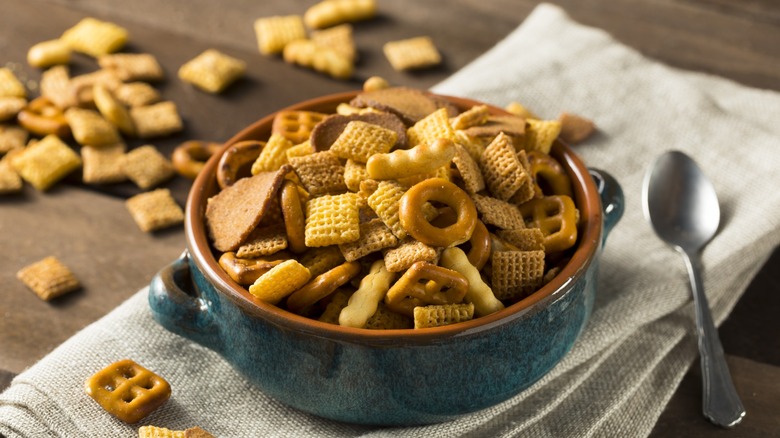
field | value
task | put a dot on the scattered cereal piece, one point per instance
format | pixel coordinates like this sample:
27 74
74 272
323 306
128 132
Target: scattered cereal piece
55 86
10 86
412 54
10 107
212 71
112 109
95 37
91 128
159 432
282 280
155 210
517 274
48 278
332 12
323 59
130 67
103 165
442 314
12 137
10 181
137 94
46 162
339 38
575 129
332 220
80 87
146 167
157 120
274 33
48 53
127 390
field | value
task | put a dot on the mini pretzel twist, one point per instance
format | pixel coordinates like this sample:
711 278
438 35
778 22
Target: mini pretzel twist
420 159
190 157
548 172
322 286
425 283
42 117
440 190
236 157
294 221
556 216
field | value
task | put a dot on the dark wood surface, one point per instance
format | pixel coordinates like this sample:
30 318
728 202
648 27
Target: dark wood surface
92 233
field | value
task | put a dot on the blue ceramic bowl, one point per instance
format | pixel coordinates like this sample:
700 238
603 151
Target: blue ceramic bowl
390 377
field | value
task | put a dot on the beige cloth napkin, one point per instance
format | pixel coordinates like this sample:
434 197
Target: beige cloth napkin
639 342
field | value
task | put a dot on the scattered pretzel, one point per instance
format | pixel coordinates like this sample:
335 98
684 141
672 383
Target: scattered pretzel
556 216
425 283
294 221
440 190
322 286
235 158
42 117
190 157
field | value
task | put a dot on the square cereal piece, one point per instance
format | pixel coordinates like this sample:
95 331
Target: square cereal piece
432 127
322 259
412 53
10 86
408 253
159 432
48 278
95 37
474 116
337 38
332 220
468 169
46 162
320 173
354 173
374 236
501 167
517 274
91 128
273 155
146 167
10 181
280 281
273 33
384 319
10 107
263 241
137 94
499 213
55 86
130 67
438 315
155 210
300 150
103 165
157 120
338 300
81 87
384 201
525 239
359 140
12 137
212 71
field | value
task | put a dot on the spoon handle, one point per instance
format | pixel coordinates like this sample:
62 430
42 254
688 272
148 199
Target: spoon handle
721 403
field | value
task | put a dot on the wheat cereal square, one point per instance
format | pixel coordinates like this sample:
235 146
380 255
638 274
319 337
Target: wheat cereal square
438 315
135 94
473 181
10 181
103 165
408 253
156 120
499 213
322 259
46 162
12 137
159 432
503 172
386 319
55 86
474 116
525 239
273 33
212 71
384 201
354 173
90 128
146 167
95 37
155 210
133 66
412 53
516 274
332 220
320 173
48 278
338 38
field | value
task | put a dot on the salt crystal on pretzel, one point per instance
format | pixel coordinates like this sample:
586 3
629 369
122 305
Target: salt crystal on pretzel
374 236
332 220
437 315
361 140
497 212
516 274
273 155
320 173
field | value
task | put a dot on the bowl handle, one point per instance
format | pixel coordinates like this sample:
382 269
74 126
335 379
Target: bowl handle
612 201
176 305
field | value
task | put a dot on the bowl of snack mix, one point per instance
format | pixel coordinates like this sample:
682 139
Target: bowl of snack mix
390 257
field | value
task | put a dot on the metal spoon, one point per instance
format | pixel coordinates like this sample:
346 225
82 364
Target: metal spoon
682 206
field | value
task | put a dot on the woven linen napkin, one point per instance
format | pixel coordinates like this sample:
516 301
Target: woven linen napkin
640 339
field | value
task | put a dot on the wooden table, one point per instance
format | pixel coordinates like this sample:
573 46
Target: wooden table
737 40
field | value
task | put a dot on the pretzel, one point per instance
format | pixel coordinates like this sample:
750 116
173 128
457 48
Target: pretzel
556 216
190 157
437 189
364 302
480 241
42 117
296 126
401 163
247 271
234 158
127 390
478 292
548 172
293 216
425 283
322 286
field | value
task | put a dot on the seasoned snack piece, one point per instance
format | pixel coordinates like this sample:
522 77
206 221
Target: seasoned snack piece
412 54
280 281
91 128
556 216
300 150
103 165
273 155
525 239
55 86
375 83
518 109
263 241
228 224
403 163
212 71
42 117
320 173
325 133
323 59
425 283
234 159
189 157
354 173
48 278
48 53
155 210
45 162
361 140
112 109
320 260
156 120
95 37
385 203
409 104
438 190
332 220
473 181
322 286
478 292
10 86
575 129
504 174
474 116
127 390
146 167
12 137
10 107
294 221
296 126
137 94
332 12
517 274
336 302
438 315
133 66
339 39
10 181
431 128
246 271
386 319
541 134
374 236
159 432
274 33
81 87
409 252
499 213
548 172
511 125
364 302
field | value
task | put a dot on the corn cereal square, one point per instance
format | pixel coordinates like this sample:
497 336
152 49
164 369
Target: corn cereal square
91 128
332 220
541 134
212 71
280 281
146 167
157 120
359 140
412 53
103 165
273 156
273 33
431 128
10 86
155 210
48 278
95 37
133 66
46 162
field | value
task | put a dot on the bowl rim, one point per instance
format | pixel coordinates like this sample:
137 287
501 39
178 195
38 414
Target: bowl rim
590 232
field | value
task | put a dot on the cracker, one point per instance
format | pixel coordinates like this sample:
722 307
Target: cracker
525 239
431 128
155 210
412 54
137 94
360 140
46 162
469 171
263 241
517 274
338 301
339 39
325 133
409 104
10 181
10 107
159 432
157 120
95 37
236 210
474 116
10 86
48 278
133 66
103 165
541 134
386 319
296 126
280 281
438 315
575 129
12 137
273 155
503 172
332 220
384 201
320 173
91 128
273 33
146 167
55 86
212 71
354 173
322 259
407 253
499 213
374 236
